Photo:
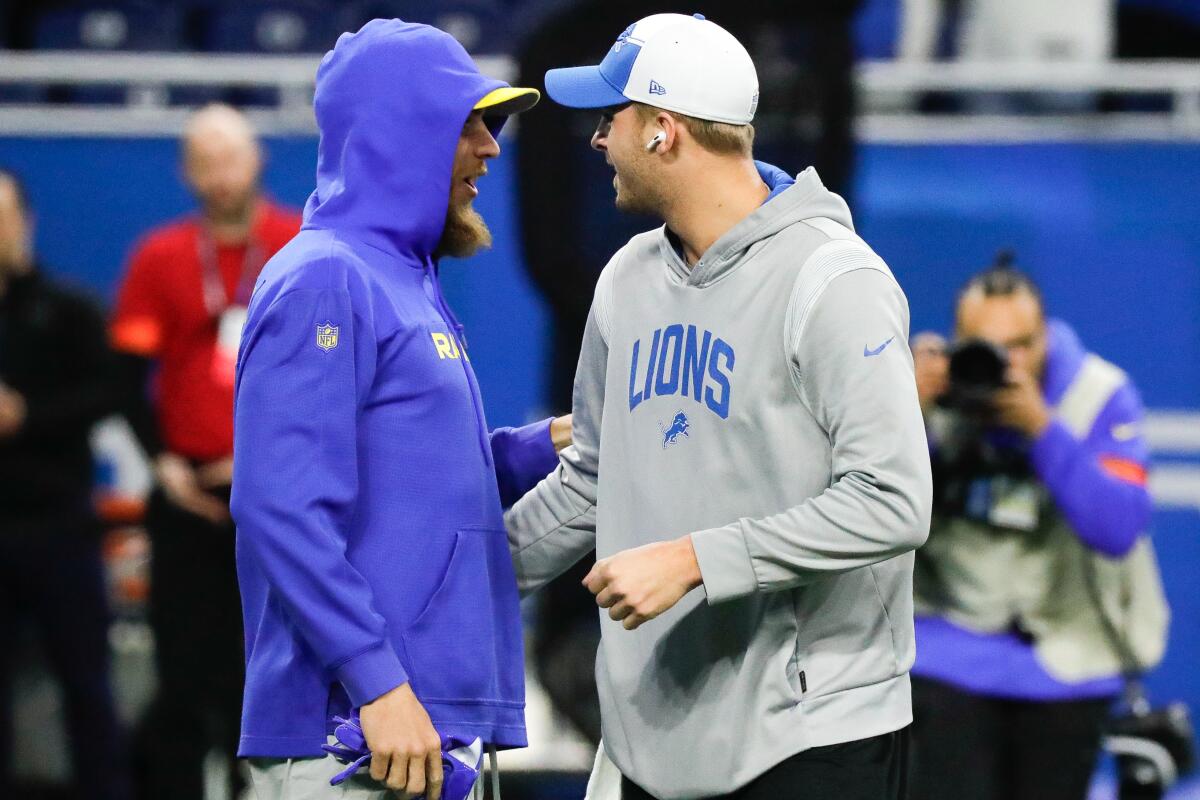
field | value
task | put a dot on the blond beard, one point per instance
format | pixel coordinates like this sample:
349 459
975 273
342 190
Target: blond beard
465 232
637 193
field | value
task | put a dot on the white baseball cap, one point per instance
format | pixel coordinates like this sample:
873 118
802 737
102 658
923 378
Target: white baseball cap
678 62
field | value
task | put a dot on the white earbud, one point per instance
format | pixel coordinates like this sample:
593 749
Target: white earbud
658 139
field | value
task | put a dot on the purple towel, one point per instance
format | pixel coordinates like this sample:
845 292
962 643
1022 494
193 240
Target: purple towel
351 749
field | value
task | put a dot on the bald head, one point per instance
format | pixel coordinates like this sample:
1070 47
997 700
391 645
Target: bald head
220 120
222 162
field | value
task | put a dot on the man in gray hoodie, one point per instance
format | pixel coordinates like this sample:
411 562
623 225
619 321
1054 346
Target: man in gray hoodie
749 461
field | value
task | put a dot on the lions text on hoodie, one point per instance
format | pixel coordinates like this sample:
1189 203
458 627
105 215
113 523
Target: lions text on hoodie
763 401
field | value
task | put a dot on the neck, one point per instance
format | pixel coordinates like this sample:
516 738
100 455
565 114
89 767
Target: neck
232 230
720 193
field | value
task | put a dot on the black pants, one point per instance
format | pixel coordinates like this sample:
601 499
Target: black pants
195 612
985 748
868 769
56 579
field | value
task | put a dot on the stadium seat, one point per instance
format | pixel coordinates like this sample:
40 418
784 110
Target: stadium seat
482 26
106 25
265 27
109 25
23 94
268 26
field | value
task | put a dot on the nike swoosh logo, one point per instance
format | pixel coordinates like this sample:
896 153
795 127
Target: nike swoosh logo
868 353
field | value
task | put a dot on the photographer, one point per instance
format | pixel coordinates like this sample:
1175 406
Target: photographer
1038 584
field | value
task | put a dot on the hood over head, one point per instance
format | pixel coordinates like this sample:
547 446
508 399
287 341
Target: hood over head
390 103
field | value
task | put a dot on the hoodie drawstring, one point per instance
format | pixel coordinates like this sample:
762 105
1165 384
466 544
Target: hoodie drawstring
494 763
447 314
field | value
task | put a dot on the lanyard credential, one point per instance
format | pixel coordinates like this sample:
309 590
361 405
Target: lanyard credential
230 313
216 299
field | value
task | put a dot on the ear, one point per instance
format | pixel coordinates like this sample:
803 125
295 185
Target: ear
671 127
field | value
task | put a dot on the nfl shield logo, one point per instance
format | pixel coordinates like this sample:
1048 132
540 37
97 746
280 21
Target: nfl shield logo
327 336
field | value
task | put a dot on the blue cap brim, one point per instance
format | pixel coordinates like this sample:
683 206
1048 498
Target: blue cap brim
582 87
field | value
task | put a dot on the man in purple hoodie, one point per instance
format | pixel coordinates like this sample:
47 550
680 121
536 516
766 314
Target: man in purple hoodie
1037 588
367 491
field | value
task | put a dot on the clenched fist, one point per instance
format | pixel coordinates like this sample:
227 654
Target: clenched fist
639 584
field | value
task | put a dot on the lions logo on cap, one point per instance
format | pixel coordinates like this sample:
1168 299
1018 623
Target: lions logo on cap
327 336
623 38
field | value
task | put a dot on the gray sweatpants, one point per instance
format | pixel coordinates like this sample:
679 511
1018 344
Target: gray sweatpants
308 779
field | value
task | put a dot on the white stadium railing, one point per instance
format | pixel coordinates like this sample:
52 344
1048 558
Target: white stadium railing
149 75
888 88
887 91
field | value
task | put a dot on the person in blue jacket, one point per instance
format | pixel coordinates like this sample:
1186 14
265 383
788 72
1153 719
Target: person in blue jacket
367 491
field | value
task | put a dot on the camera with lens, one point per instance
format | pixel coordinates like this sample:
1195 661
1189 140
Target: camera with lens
977 371
970 447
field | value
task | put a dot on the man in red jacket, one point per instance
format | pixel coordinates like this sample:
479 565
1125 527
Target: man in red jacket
176 327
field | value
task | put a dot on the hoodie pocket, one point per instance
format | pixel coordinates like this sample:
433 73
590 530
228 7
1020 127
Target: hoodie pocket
459 644
845 638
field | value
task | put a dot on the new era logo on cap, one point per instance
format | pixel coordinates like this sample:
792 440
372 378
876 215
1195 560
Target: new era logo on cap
710 74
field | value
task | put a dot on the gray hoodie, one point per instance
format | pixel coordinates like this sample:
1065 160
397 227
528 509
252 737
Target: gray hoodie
764 402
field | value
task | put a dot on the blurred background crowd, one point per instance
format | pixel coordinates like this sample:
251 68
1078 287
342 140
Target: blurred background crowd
1063 135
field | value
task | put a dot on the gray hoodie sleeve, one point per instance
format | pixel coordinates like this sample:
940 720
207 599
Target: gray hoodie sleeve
553 526
847 334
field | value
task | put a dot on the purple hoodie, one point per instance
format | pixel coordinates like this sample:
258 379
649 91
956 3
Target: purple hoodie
1098 484
371 548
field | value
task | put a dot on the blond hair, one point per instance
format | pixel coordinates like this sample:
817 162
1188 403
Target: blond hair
716 137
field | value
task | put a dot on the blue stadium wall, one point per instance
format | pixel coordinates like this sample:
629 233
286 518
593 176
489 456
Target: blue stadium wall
1110 230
